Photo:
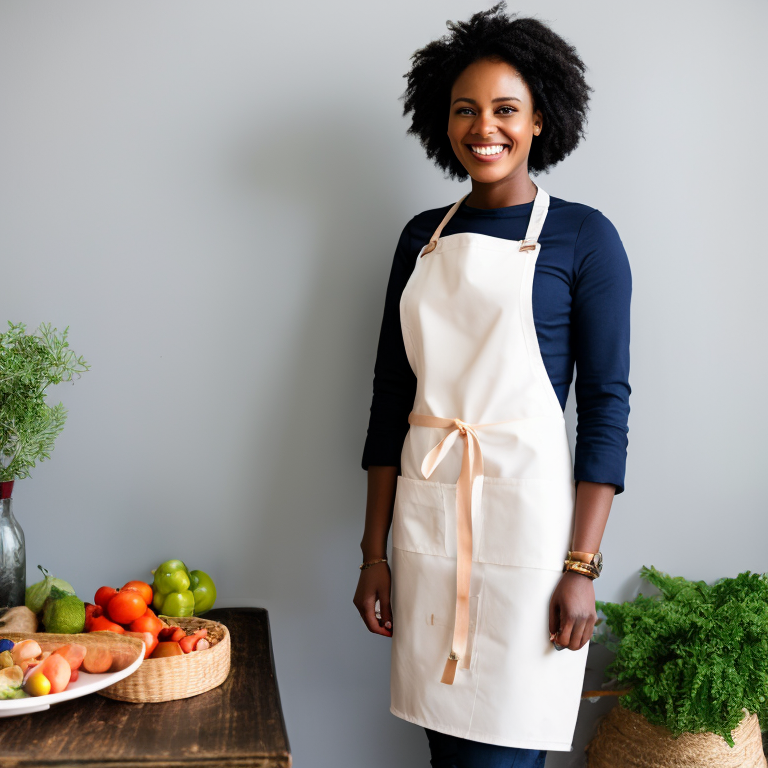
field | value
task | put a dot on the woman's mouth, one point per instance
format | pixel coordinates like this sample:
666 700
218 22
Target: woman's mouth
488 153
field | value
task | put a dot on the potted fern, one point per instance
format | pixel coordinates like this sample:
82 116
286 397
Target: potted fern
692 666
29 364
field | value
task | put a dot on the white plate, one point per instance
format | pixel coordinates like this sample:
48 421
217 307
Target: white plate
85 684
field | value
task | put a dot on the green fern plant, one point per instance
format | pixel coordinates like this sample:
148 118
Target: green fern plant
694 655
29 364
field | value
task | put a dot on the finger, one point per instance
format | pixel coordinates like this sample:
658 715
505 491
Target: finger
554 616
368 615
564 635
577 632
386 612
588 630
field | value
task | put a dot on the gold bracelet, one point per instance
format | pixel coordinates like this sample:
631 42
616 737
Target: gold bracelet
595 559
585 569
372 562
585 557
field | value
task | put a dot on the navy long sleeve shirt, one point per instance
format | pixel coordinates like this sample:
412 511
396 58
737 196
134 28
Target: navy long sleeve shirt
582 287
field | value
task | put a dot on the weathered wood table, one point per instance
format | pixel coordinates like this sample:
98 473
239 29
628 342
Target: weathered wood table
239 724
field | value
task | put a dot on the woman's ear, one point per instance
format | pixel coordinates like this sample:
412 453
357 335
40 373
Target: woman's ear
538 120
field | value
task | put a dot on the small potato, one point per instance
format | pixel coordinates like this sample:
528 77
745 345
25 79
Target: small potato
97 660
25 650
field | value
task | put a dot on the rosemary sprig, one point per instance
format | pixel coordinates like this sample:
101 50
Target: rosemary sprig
29 364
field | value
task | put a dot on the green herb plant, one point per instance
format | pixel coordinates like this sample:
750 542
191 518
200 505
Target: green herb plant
29 364
694 654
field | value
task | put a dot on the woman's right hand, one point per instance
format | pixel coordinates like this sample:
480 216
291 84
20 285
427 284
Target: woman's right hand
374 584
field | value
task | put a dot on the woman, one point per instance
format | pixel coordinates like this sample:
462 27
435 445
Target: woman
491 301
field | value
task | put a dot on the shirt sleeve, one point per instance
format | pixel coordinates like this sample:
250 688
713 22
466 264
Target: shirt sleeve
394 382
600 326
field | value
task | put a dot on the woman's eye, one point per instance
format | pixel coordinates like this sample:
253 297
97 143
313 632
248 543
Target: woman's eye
464 110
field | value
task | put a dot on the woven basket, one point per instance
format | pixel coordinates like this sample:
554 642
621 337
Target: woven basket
178 677
625 739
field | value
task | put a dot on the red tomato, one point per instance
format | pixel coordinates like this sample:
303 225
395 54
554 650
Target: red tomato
92 612
142 588
149 640
147 623
103 624
126 606
104 595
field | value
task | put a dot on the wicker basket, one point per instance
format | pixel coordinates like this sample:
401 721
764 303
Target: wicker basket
625 738
178 677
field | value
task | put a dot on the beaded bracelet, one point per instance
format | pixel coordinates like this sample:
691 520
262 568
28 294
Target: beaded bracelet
372 562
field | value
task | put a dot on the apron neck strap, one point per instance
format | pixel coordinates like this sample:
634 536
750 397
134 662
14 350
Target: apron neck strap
433 240
535 224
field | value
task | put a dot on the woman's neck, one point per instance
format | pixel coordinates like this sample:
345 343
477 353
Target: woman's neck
502 194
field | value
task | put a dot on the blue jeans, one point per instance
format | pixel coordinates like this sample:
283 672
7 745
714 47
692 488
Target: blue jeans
455 752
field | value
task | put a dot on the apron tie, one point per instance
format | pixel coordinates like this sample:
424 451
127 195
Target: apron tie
470 481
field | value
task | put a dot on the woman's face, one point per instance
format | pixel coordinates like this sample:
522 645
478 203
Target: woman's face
491 108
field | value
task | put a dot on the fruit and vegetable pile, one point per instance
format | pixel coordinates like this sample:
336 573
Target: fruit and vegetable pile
27 670
126 611
175 591
137 609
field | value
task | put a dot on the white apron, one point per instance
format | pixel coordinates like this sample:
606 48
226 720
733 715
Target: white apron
484 508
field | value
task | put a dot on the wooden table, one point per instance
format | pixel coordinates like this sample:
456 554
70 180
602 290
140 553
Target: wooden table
238 724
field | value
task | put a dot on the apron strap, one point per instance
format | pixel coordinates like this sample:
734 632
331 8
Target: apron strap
469 489
436 236
538 214
535 224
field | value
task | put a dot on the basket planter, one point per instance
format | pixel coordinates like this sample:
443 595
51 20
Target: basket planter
625 738
178 677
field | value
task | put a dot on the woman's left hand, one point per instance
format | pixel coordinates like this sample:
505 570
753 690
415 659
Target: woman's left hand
572 613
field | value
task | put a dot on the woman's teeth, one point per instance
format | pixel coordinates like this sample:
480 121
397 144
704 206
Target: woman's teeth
492 149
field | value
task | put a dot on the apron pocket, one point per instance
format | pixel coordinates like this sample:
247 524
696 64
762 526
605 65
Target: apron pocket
418 518
526 522
474 618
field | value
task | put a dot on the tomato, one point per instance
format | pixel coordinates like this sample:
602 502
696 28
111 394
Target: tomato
149 640
126 606
143 588
104 595
147 623
103 624
92 612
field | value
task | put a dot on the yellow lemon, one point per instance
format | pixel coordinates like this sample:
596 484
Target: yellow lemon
38 684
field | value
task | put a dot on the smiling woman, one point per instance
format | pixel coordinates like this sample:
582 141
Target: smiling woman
491 302
545 88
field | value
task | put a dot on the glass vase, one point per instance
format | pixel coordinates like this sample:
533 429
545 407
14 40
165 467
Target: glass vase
13 557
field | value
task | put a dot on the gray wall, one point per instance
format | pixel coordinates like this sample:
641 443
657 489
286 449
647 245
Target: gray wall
209 195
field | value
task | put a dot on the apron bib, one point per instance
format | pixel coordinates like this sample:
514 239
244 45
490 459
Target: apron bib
484 507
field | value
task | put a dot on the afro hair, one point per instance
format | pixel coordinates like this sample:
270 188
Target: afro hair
550 66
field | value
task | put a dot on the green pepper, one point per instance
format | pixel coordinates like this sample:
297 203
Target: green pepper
204 591
172 595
